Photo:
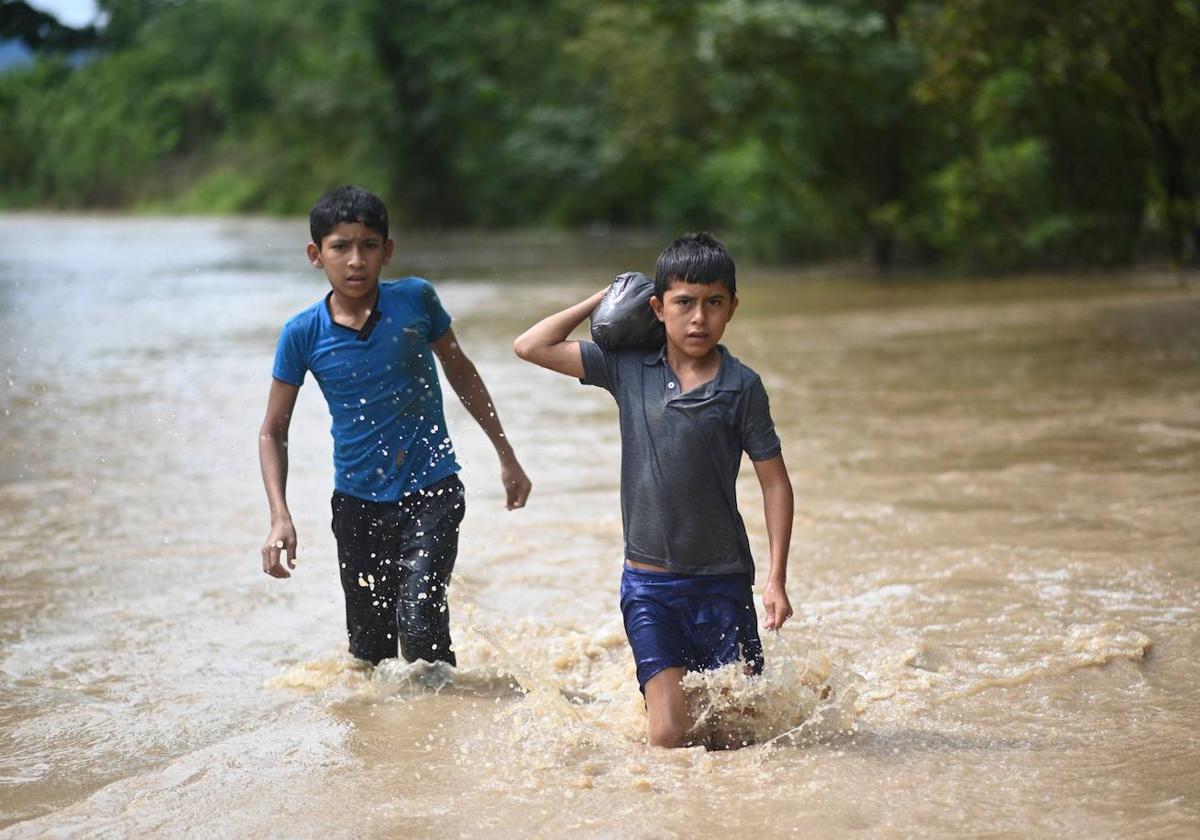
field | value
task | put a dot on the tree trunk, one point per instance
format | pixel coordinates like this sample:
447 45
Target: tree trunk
1183 230
892 143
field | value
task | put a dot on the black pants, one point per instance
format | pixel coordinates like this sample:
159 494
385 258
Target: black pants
396 559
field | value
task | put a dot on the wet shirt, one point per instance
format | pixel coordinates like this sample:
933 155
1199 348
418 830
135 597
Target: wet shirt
680 456
382 388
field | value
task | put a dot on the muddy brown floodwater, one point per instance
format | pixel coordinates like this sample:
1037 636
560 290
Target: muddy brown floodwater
996 564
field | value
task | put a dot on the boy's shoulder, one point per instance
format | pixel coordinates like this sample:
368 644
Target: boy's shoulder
416 291
628 363
735 373
306 317
408 285
411 284
633 355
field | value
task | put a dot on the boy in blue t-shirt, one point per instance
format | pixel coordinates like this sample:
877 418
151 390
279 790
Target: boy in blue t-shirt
687 413
397 500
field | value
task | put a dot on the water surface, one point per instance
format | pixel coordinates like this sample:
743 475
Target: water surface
994 566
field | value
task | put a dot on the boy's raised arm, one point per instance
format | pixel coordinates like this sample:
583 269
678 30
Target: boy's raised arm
464 378
778 508
272 457
546 344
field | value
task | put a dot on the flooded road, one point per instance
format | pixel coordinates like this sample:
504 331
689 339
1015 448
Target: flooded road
995 567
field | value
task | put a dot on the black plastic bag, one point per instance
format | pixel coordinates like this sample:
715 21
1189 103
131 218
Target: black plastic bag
623 320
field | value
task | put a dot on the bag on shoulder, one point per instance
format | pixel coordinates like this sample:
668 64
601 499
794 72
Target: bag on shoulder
623 320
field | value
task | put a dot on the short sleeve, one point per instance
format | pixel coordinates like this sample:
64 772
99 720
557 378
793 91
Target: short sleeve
439 318
758 430
599 366
290 357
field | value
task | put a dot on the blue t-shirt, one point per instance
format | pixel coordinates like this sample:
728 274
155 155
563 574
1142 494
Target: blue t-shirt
382 388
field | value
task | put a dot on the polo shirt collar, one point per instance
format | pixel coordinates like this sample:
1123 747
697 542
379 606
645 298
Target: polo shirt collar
654 357
728 375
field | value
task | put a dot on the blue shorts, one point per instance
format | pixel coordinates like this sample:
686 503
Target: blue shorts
695 622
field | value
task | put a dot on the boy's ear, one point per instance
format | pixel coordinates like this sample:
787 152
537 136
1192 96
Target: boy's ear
656 305
388 248
314 255
733 306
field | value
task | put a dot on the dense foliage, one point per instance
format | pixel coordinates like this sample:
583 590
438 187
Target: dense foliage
981 133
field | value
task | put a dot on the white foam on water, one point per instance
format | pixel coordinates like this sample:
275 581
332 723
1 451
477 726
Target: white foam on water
560 688
926 675
562 695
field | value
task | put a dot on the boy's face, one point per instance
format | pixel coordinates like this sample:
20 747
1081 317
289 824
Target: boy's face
694 315
352 256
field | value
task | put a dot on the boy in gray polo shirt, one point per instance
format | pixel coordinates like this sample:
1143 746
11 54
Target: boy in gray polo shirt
687 413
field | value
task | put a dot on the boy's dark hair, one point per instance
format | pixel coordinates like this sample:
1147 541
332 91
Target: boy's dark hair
694 258
347 204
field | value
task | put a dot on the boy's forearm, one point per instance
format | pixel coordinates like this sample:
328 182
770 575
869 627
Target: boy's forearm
272 456
556 328
779 508
473 393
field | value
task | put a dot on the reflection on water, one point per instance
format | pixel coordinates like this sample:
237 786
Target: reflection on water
994 567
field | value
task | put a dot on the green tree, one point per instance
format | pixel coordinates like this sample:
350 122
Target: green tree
1105 91
980 133
821 90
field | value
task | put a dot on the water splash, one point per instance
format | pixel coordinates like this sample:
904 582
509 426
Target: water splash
800 698
322 674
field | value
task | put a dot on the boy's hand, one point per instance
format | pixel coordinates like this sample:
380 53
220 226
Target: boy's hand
516 484
281 539
776 605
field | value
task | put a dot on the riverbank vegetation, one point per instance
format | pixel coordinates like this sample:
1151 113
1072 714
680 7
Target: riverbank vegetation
980 134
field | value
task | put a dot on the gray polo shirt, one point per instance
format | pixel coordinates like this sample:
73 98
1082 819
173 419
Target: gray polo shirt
680 455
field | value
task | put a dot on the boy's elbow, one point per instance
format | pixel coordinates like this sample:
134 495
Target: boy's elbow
274 429
525 347
782 487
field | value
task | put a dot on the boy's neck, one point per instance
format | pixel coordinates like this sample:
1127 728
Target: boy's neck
695 370
352 312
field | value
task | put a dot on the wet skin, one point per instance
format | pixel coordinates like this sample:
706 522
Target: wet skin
352 257
695 316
